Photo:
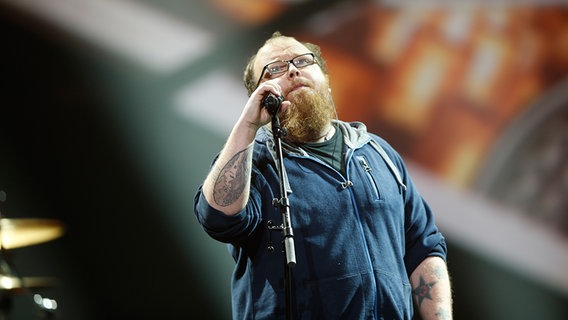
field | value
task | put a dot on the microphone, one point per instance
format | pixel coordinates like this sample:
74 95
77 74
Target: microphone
272 103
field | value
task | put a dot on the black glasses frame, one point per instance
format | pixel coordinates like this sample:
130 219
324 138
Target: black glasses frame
287 66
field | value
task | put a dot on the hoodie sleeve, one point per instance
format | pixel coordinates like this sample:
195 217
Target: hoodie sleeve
423 239
229 228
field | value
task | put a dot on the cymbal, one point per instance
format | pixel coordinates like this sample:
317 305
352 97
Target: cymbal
16 284
15 233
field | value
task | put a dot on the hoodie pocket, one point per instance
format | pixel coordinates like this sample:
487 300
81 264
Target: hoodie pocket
373 182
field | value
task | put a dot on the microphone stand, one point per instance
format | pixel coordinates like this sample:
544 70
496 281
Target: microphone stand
288 236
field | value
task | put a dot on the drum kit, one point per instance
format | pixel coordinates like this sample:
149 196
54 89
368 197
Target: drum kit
17 233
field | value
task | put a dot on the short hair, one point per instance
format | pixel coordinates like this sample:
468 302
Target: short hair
250 80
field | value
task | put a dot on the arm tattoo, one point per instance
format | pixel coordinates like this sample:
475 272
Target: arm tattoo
438 272
231 181
422 291
443 314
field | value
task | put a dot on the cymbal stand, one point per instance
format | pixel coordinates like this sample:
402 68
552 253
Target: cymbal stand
46 306
5 296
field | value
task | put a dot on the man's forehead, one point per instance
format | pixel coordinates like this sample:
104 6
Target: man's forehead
279 48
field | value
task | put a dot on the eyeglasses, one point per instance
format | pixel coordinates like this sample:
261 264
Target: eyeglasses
279 67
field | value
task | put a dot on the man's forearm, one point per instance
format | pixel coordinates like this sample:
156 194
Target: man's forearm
226 187
431 289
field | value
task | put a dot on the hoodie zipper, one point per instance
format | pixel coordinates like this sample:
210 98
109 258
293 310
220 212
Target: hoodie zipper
361 230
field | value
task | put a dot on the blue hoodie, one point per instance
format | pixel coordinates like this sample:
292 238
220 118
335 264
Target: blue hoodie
357 237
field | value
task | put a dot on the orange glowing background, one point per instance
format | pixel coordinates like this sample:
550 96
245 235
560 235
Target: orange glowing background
442 84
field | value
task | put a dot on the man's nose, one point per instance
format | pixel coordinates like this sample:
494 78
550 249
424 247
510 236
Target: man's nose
293 71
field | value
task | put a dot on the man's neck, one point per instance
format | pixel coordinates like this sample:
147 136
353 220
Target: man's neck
328 132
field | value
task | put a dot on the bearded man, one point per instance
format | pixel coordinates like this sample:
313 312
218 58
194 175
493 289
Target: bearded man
366 244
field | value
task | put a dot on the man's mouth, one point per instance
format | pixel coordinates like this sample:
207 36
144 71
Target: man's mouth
298 87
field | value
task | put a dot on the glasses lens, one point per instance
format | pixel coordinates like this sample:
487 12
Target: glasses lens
277 67
303 60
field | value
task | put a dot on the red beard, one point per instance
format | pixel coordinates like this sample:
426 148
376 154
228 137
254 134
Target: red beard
308 115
